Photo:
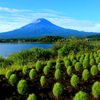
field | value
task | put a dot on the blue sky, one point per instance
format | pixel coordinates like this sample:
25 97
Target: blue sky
82 15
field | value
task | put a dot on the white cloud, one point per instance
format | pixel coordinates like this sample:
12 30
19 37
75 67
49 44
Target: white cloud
12 10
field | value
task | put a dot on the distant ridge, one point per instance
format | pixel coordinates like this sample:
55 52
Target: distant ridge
42 27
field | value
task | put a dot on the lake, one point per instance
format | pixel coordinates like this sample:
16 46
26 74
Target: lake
9 48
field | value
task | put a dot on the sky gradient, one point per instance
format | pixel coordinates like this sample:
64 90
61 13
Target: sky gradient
82 15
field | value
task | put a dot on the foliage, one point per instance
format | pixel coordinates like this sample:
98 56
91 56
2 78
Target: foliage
43 80
38 66
94 70
67 63
97 60
32 97
69 70
98 66
74 62
8 74
57 74
25 70
32 73
22 87
49 64
96 89
58 61
13 79
57 89
85 74
58 66
80 96
46 70
74 80
85 63
92 61
78 66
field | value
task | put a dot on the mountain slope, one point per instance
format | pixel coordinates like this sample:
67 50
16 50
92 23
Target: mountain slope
42 27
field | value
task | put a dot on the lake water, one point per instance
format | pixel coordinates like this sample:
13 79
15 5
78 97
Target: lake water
9 48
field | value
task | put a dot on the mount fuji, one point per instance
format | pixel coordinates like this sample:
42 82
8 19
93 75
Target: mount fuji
42 27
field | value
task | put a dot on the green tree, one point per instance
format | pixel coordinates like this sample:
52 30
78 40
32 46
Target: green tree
32 73
97 60
98 66
80 96
32 97
67 63
22 87
13 79
43 80
92 62
38 66
57 89
25 70
74 80
57 74
46 70
58 66
96 89
8 73
85 63
69 70
49 64
85 74
74 62
78 66
94 70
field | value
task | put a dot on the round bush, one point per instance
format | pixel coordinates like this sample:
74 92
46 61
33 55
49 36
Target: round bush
32 97
58 61
58 66
85 74
8 73
25 70
22 87
57 74
81 59
78 57
74 62
97 60
99 66
72 58
94 70
49 64
46 70
57 89
13 79
96 89
78 66
65 58
67 63
74 80
69 70
32 73
80 96
92 62
85 63
38 66
43 80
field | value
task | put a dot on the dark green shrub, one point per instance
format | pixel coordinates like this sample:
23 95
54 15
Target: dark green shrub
22 87
43 80
99 66
49 64
97 60
25 70
67 63
78 66
32 97
32 73
92 62
38 66
74 80
46 70
85 74
8 73
57 74
94 70
13 79
57 89
96 89
69 70
85 63
58 66
74 62
80 96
